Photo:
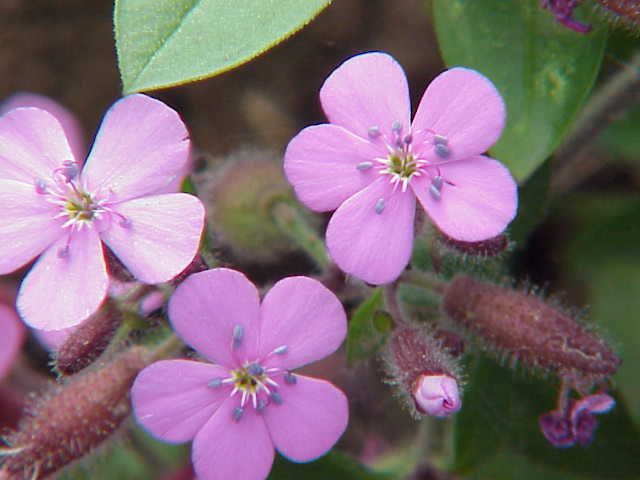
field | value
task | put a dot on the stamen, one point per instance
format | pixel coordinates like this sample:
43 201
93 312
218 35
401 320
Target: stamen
238 335
362 166
255 369
290 378
63 252
396 127
435 193
41 186
281 350
442 150
379 206
408 138
125 222
374 132
276 398
437 182
440 140
237 413
262 404
215 383
68 170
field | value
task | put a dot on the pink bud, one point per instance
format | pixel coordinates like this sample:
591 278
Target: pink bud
437 395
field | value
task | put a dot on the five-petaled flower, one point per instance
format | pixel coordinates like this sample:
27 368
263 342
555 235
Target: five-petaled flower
249 401
122 196
371 162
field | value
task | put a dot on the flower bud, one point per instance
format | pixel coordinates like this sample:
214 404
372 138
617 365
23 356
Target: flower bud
72 419
239 199
89 340
424 371
486 248
529 330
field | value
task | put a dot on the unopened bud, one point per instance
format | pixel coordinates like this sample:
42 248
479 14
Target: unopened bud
529 330
563 11
437 395
89 340
486 248
424 371
72 419
625 11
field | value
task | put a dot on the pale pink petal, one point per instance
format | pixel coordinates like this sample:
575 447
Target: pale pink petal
312 417
375 247
156 237
209 306
141 148
368 90
304 315
463 106
478 198
27 225
12 334
321 163
62 290
70 124
52 340
228 449
172 399
32 145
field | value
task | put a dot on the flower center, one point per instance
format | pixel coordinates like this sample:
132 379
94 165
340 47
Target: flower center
80 207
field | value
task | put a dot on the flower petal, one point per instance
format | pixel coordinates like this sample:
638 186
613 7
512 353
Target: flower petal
27 225
465 107
375 247
32 145
312 417
13 333
208 306
304 315
368 90
172 400
52 340
69 123
321 163
142 146
60 292
478 198
160 236
227 449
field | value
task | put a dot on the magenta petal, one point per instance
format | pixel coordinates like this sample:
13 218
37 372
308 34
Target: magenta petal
312 417
368 90
304 315
32 145
479 198
27 225
158 236
464 106
172 400
209 306
142 147
11 338
227 449
69 123
52 340
321 163
596 403
375 247
62 290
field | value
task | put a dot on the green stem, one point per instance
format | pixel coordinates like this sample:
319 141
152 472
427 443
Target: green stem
428 281
294 224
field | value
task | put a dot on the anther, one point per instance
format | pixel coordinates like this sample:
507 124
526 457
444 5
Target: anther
281 350
442 150
290 378
238 335
379 206
440 140
63 252
373 132
435 192
255 369
41 186
362 166
69 170
396 127
408 138
125 222
437 182
262 404
276 398
237 413
215 383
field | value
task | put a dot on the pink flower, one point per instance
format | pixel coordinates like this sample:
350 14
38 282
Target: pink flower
12 334
249 401
370 163
54 206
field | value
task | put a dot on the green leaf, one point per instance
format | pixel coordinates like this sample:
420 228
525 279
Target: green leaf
161 43
363 337
334 466
502 408
543 70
